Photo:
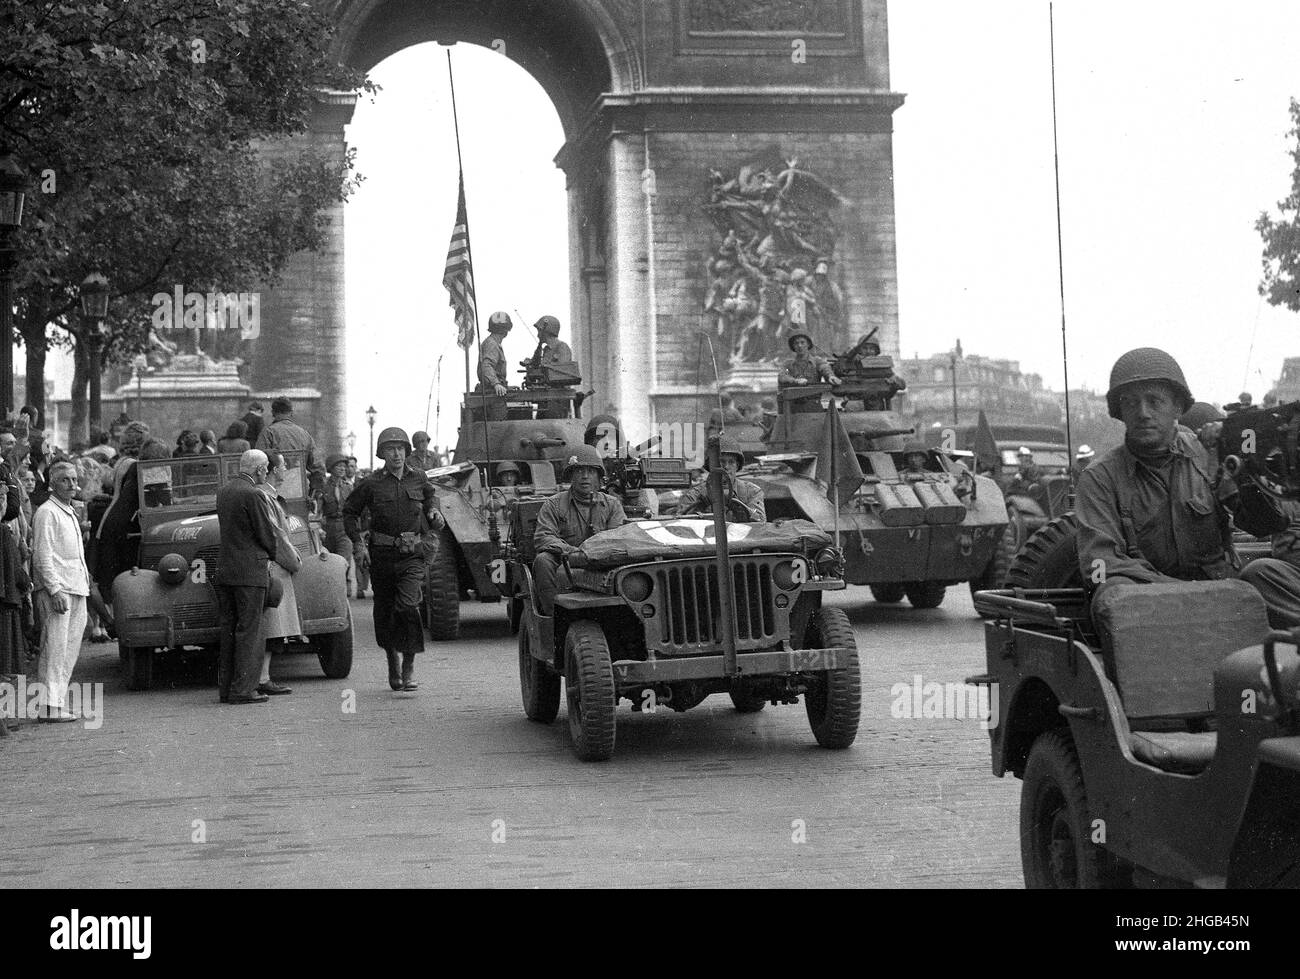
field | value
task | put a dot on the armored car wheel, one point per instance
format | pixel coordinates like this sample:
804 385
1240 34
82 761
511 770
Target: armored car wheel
589 688
334 650
891 592
1056 848
995 575
834 699
925 594
442 591
746 701
137 666
539 685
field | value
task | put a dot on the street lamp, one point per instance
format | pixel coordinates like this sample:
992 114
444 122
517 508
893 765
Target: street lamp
12 195
94 308
954 356
370 417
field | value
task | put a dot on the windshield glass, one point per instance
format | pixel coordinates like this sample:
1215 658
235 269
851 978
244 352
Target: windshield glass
192 481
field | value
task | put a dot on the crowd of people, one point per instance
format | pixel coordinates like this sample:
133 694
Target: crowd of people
71 526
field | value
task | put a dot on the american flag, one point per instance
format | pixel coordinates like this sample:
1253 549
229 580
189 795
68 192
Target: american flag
459 277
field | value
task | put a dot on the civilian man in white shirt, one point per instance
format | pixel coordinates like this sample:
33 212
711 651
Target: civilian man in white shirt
61 582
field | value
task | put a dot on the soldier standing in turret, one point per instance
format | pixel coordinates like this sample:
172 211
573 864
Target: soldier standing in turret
492 368
403 510
803 370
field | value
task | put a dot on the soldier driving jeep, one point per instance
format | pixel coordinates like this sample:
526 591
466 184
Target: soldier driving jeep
1151 510
744 499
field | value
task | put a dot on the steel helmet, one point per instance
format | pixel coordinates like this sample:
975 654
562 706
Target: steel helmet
915 446
547 326
795 336
1146 364
333 460
1200 415
1024 451
583 456
500 322
507 467
1085 452
727 446
393 435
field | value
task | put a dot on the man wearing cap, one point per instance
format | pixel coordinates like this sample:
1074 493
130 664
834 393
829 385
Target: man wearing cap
286 435
1150 511
1082 460
744 500
422 458
403 509
1028 474
803 370
338 487
570 517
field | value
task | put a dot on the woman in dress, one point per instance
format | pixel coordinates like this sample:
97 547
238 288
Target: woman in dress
281 622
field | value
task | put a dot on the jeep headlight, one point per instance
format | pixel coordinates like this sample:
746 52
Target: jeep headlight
637 586
172 569
789 575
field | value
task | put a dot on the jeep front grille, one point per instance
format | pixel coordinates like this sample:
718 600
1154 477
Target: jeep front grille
692 609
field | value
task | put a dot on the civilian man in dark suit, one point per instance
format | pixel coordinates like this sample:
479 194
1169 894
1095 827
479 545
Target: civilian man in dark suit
247 544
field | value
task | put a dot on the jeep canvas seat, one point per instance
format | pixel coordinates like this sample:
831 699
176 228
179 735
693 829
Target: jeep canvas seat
1163 643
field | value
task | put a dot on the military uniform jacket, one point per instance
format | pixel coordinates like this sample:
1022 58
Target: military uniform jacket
812 370
396 505
492 362
562 524
335 495
1150 523
286 435
556 352
742 490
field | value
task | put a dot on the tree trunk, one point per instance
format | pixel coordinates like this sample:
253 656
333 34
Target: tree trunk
77 436
34 348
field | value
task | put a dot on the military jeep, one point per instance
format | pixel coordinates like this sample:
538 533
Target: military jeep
671 611
1168 755
167 602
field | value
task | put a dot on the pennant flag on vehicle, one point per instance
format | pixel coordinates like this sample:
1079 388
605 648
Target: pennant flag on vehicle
837 463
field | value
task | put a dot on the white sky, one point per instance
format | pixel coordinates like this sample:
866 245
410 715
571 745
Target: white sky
1172 122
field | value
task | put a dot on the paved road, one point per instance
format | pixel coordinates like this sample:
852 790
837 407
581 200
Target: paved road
451 786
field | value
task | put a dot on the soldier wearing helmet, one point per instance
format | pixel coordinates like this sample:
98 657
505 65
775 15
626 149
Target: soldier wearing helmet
803 370
1028 474
915 457
568 518
744 500
1082 460
551 348
1153 509
492 369
507 474
421 457
338 487
404 516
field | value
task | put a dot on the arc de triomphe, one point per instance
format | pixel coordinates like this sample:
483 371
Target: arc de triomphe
718 153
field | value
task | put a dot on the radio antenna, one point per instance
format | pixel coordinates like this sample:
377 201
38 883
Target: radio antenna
1060 252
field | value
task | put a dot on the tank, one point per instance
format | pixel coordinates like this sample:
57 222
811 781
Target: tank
905 531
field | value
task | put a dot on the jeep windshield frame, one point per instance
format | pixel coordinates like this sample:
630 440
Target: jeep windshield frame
188 485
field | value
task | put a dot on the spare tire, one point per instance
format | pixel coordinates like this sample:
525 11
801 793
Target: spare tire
1050 558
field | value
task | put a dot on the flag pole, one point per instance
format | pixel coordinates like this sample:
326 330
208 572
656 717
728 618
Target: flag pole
469 256
460 170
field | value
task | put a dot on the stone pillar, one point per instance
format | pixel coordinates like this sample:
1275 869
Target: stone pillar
302 348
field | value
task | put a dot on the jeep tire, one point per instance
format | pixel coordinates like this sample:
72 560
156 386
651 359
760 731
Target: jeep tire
1056 848
589 689
888 593
539 685
1050 558
442 591
834 698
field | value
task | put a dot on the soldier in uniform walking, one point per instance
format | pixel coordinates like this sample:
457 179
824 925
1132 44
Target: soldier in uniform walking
338 487
569 518
404 514
492 367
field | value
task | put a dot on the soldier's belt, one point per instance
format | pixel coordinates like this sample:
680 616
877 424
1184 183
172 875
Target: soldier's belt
382 540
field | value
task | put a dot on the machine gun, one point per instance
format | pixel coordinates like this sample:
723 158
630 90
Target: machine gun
1258 449
869 377
540 377
627 475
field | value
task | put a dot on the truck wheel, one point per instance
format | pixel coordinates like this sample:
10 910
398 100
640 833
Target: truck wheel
334 650
889 593
1050 558
538 684
995 575
442 591
746 701
589 687
1056 848
834 700
137 666
926 594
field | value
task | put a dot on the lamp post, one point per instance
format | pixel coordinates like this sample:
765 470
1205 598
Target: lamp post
94 307
954 356
12 195
370 417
